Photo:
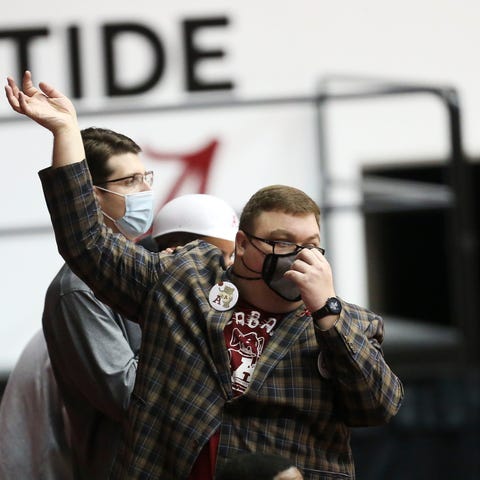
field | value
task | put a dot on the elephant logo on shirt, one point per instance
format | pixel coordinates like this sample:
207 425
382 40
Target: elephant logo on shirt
248 348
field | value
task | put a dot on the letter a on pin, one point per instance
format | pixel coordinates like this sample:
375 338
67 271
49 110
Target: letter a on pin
223 296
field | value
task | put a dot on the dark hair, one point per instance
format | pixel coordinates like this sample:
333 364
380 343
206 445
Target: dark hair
175 239
101 144
277 198
253 466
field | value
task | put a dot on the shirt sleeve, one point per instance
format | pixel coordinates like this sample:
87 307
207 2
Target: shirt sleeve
88 346
369 392
119 272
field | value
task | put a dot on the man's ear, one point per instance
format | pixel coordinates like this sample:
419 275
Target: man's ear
98 195
96 191
240 243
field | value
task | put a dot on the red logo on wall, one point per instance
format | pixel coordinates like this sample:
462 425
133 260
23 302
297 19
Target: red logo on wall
196 164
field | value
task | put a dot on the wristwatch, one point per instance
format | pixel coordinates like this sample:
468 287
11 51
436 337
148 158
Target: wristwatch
332 307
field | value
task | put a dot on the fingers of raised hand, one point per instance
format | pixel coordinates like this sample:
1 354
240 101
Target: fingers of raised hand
23 101
18 100
12 95
27 84
13 86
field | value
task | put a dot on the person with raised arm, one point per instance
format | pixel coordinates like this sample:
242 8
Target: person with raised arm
260 357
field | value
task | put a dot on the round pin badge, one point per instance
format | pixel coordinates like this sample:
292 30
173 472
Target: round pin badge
223 296
322 366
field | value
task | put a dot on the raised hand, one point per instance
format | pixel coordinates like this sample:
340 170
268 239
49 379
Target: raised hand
46 105
54 111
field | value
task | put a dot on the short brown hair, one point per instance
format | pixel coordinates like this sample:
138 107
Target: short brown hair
101 144
277 198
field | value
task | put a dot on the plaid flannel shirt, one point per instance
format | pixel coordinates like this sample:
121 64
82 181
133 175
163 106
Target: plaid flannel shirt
183 388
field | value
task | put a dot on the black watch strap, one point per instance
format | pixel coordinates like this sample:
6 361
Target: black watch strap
332 307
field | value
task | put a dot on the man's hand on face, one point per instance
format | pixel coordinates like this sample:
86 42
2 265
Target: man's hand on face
313 275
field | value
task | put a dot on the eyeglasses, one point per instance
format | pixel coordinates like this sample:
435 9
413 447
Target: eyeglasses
134 180
281 247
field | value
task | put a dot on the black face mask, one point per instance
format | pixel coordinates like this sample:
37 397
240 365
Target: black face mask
274 266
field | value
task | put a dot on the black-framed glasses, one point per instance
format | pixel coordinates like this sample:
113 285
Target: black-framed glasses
282 247
134 180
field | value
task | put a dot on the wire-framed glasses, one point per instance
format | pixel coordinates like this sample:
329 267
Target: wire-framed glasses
282 247
134 180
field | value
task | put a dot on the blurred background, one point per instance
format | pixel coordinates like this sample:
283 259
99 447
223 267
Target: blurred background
371 107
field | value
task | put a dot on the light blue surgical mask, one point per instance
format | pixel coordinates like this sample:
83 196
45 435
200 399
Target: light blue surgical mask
138 215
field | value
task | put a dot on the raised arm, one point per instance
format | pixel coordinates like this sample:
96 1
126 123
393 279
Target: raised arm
82 238
54 111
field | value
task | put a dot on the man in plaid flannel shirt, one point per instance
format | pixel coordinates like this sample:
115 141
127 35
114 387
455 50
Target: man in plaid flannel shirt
260 357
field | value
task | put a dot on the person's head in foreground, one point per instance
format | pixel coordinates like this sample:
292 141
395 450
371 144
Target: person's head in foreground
277 224
196 216
258 466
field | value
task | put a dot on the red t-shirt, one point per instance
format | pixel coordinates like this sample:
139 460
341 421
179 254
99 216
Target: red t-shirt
246 337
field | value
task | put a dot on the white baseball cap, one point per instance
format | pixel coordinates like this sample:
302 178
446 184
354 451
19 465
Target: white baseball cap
198 213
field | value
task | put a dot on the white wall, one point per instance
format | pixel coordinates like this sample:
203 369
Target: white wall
273 49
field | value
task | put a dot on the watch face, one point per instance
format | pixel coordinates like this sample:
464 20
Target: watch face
334 306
